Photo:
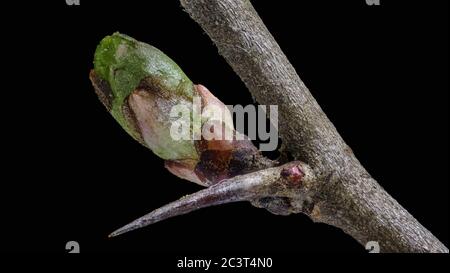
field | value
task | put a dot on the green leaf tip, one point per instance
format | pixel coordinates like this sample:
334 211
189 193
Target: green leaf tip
124 62
125 65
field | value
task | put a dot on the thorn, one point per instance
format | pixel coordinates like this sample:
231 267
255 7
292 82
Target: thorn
238 188
247 187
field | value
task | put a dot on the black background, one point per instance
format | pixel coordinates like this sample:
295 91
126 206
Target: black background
71 173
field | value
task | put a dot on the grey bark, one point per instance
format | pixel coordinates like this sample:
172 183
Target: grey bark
346 196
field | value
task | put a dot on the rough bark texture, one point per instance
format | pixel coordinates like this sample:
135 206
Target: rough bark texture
348 197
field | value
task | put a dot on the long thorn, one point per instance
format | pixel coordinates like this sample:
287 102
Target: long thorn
239 188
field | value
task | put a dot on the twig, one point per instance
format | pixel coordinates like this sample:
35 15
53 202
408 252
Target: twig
348 197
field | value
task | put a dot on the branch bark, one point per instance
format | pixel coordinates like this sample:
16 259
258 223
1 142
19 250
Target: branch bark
348 197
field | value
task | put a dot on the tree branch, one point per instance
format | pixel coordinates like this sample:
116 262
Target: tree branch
348 197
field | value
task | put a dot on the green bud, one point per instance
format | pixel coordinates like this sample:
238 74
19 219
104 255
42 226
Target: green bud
141 85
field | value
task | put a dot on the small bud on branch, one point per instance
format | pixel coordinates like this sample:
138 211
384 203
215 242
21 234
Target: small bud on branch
140 85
